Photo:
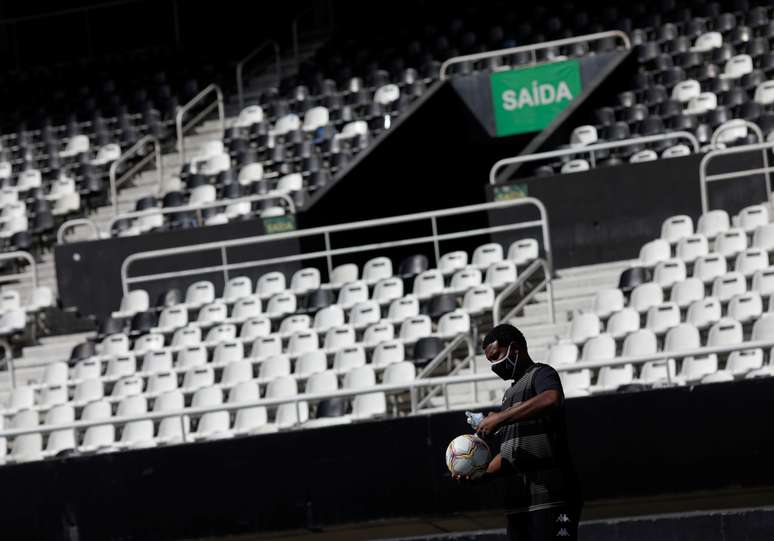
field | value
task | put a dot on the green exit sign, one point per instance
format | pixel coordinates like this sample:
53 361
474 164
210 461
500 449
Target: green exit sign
279 224
528 99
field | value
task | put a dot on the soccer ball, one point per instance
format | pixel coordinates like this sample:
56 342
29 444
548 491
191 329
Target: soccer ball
467 455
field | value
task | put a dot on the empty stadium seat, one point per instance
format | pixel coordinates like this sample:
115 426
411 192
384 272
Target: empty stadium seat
623 322
583 327
663 317
654 252
212 425
675 228
646 295
730 284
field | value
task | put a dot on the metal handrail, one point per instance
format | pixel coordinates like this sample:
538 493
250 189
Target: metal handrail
533 48
445 352
185 108
71 224
241 65
732 124
518 284
215 204
20 275
704 178
329 252
411 387
135 149
591 149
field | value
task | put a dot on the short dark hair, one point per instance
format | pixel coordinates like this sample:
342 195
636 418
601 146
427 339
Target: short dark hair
505 334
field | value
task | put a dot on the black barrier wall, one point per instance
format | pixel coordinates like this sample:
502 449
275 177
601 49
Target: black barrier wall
608 213
624 445
89 273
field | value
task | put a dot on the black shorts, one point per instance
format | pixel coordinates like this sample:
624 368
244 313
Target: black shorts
551 524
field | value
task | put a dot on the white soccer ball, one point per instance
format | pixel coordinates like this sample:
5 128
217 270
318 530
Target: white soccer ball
467 455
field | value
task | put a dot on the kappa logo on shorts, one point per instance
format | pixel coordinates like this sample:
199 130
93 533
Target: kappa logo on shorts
563 533
562 518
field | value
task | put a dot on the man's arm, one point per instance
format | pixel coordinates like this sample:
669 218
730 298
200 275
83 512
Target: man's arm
493 470
536 406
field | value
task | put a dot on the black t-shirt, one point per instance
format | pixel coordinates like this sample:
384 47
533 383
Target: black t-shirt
518 493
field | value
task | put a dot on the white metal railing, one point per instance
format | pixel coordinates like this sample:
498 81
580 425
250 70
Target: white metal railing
241 66
412 388
194 208
531 269
765 170
183 110
445 354
31 273
136 149
533 48
592 149
715 140
72 224
329 252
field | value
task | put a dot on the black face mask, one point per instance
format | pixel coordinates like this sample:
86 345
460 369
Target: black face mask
505 367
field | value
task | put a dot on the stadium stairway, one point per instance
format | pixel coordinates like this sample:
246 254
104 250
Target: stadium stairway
574 290
146 183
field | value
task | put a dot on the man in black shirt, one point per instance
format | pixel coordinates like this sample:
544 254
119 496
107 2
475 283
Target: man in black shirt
542 494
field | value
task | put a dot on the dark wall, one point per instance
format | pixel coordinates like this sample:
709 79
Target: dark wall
89 273
624 445
82 30
608 213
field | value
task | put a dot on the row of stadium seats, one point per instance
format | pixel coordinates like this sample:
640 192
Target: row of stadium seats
210 426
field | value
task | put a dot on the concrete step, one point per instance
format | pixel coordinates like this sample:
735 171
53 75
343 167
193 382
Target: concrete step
618 266
51 349
545 329
562 306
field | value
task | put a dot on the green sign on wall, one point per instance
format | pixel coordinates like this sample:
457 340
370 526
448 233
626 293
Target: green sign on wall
527 99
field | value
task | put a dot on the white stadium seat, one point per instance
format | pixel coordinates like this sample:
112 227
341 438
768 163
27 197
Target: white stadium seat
663 317
669 272
641 342
523 251
453 261
725 332
709 267
763 281
623 322
562 353
682 337
713 222
691 247
583 135
487 254
745 306
685 91
687 291
654 252
703 313
584 326
737 66
646 295
676 227
731 242
730 284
